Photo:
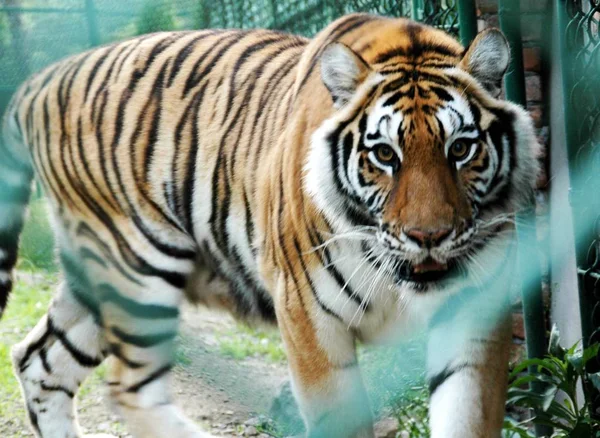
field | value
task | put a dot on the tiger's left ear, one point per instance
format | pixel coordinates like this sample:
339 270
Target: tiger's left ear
487 59
342 71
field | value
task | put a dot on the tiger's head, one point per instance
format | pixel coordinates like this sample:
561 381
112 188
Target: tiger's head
419 152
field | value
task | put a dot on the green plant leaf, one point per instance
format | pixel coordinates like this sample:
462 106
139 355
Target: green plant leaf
548 397
554 347
590 353
542 378
541 364
595 379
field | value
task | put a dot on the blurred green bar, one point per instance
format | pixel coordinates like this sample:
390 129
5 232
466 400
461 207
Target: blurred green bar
576 193
92 20
509 12
21 10
416 12
467 21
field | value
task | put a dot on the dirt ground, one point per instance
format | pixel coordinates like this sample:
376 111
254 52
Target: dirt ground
228 397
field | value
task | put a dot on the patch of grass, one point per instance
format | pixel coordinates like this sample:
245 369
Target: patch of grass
28 303
248 341
36 251
182 353
396 385
412 411
93 382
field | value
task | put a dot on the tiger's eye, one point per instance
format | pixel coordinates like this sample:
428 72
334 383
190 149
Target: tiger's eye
459 150
385 154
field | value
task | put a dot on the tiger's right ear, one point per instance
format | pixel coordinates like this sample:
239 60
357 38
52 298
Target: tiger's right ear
487 59
342 71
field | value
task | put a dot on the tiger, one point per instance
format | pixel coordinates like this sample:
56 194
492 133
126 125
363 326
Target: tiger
358 186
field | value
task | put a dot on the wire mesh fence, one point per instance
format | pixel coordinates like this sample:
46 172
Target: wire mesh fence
579 22
34 33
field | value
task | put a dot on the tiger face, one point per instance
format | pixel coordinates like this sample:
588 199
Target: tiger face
421 154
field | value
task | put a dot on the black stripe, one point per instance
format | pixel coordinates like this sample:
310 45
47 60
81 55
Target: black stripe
58 388
79 285
341 281
80 357
190 175
321 304
196 74
85 230
241 60
155 375
266 105
31 348
94 72
438 380
441 93
44 358
34 420
117 351
143 341
109 294
170 250
185 52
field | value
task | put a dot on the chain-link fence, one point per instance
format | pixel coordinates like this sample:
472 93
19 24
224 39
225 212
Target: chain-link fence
579 26
34 33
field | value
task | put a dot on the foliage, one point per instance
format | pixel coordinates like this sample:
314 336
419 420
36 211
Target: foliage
396 384
558 376
155 16
36 249
28 302
252 342
412 410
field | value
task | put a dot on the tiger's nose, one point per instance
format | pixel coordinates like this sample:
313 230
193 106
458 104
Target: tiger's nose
427 238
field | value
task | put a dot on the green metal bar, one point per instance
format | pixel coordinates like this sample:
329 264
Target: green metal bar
416 12
275 19
509 12
92 20
19 10
467 21
586 302
77 11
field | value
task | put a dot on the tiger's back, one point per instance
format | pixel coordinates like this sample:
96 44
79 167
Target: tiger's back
123 137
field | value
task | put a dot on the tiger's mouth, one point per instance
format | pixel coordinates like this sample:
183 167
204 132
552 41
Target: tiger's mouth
428 271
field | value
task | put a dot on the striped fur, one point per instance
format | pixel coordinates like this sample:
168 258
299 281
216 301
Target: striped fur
282 178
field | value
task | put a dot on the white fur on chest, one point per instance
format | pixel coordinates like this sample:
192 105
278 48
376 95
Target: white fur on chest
398 311
379 308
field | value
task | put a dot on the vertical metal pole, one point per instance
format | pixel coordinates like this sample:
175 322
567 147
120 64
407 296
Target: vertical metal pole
18 37
416 12
92 20
509 12
467 21
586 302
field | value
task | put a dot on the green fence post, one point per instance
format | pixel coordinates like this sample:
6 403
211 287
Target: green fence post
416 12
509 12
579 44
567 61
90 13
467 21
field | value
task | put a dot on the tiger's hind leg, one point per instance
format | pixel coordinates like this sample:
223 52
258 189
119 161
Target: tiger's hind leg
53 360
139 303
